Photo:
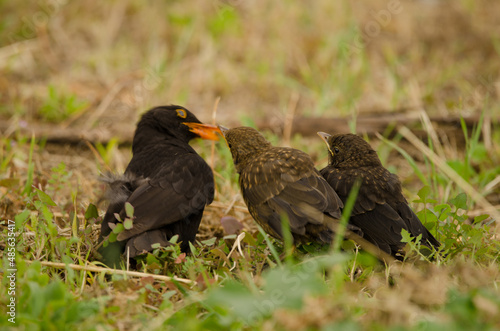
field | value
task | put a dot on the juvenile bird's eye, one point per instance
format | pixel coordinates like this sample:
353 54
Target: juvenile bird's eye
336 150
181 113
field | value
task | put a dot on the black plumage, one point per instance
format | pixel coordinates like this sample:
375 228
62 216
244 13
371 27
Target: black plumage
166 182
280 181
380 211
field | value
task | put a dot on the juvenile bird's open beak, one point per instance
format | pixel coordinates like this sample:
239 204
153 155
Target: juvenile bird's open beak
223 130
325 136
204 131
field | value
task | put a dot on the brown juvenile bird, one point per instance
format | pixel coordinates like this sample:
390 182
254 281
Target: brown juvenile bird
280 181
166 182
380 211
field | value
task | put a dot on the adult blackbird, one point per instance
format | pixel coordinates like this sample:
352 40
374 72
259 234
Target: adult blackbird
280 181
166 182
380 211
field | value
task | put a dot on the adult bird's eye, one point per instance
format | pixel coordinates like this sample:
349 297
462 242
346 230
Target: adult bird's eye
181 113
336 150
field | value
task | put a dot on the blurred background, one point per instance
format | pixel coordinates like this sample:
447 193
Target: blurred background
79 74
76 75
92 66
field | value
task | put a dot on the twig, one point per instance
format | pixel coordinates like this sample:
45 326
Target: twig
432 132
231 204
237 244
115 271
128 258
491 185
214 116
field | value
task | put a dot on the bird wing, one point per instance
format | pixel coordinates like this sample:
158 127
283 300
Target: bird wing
286 182
381 211
378 187
415 226
179 189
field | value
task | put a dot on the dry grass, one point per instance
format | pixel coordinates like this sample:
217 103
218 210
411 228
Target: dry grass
102 64
255 55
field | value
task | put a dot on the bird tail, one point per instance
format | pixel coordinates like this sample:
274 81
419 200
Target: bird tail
120 186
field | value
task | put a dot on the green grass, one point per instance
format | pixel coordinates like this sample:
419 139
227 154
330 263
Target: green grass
58 107
314 288
94 66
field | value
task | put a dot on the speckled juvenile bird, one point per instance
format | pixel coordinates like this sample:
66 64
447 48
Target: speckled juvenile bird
280 181
380 211
166 182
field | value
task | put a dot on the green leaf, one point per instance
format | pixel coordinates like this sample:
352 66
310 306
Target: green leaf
309 247
174 239
129 210
151 259
193 249
427 216
479 153
128 224
249 239
118 218
112 237
91 212
406 236
442 211
47 214
460 201
480 218
424 192
209 242
45 198
118 228
21 217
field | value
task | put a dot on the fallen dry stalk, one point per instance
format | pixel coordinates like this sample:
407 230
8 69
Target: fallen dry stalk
214 122
92 268
449 172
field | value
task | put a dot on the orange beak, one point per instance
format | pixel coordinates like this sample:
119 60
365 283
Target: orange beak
204 131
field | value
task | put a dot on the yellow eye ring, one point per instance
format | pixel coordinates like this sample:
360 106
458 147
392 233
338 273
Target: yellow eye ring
181 113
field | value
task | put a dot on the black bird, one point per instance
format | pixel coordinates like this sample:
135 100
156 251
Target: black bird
166 182
380 211
280 181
